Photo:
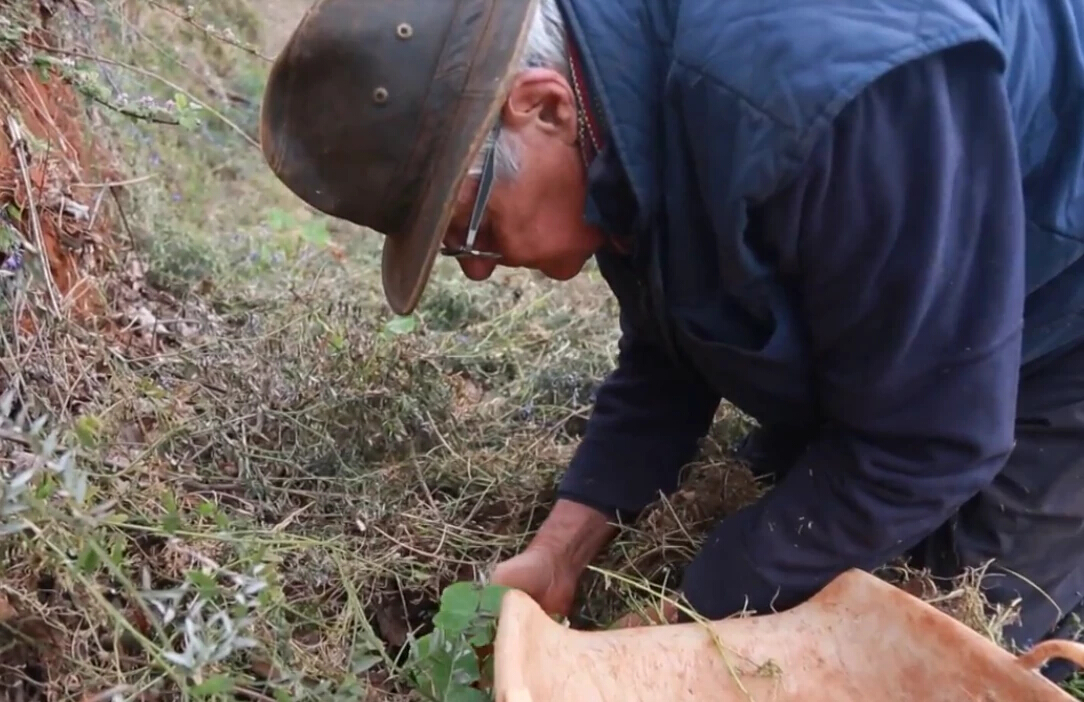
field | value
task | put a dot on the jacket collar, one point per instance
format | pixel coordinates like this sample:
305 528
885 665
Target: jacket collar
619 61
592 138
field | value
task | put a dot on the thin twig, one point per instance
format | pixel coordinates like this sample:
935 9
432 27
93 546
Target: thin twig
117 183
18 145
149 74
211 33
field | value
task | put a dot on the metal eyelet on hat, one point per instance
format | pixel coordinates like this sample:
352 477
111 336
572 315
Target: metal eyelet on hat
404 31
380 95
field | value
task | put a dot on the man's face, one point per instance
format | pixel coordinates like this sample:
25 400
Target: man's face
534 219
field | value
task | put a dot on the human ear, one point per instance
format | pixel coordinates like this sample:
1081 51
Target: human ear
544 97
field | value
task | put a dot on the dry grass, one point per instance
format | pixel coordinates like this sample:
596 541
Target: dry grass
251 408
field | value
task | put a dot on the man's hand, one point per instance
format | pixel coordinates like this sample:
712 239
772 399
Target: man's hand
540 574
550 567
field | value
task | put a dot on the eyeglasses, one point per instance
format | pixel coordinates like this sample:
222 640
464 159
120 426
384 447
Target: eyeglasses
485 186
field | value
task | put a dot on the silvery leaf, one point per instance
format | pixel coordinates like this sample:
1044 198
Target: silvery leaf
48 447
190 629
65 463
23 478
9 529
39 424
220 654
242 642
183 660
7 401
79 489
10 510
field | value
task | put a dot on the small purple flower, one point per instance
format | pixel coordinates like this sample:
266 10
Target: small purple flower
12 261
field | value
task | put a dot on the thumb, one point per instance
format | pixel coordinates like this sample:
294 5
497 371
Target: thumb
515 573
525 572
539 576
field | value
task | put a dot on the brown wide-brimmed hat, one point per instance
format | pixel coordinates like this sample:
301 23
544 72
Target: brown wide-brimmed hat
375 110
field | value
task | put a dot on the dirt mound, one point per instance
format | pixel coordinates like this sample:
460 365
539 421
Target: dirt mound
56 212
55 199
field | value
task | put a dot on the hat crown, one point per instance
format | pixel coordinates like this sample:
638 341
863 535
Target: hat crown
374 110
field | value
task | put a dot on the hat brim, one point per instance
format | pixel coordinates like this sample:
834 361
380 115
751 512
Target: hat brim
408 259
349 158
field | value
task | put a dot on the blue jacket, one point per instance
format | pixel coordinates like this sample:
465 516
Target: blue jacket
896 332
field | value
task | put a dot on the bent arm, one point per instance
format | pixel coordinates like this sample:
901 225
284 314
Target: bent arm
911 275
647 420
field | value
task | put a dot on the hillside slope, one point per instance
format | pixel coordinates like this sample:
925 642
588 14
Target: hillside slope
226 471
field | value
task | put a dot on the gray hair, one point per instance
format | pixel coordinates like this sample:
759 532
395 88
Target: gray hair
545 48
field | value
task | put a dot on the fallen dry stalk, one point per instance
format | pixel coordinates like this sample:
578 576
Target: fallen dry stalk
19 146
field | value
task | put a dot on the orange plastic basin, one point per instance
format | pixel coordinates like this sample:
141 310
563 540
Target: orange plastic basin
859 640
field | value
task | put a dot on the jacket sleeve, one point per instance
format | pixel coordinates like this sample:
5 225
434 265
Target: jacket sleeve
647 420
907 236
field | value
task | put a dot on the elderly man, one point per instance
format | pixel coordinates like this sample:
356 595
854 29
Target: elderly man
863 224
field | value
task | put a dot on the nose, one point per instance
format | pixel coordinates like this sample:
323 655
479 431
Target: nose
460 244
477 268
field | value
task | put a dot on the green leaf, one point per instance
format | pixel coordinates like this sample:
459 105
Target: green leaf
88 430
216 685
350 687
431 666
47 488
462 693
437 674
187 120
315 232
171 522
364 663
205 583
402 325
279 220
461 598
465 668
453 623
89 560
483 635
117 552
491 598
